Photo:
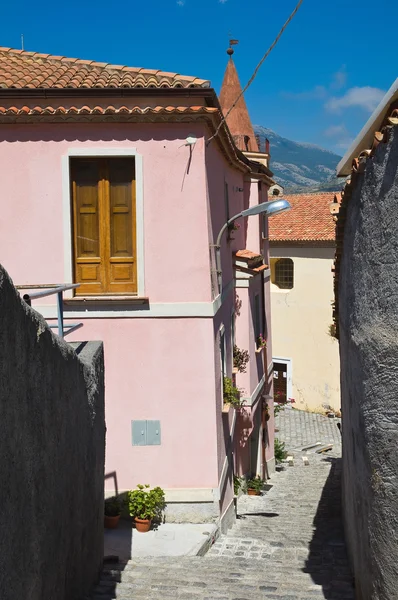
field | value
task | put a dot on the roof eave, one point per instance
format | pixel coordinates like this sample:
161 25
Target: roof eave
364 138
207 93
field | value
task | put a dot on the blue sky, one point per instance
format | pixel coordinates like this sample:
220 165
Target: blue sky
319 85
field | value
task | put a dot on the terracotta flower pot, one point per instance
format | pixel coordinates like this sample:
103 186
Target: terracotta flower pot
251 492
142 525
111 522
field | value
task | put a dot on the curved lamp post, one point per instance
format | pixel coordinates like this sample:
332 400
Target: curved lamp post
274 207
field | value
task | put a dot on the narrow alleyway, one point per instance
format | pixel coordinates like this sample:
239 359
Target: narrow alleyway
287 544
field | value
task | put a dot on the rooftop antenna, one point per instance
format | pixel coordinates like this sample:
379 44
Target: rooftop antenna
22 44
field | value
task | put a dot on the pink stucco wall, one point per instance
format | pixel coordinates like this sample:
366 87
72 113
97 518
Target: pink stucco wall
165 369
156 368
160 369
242 194
30 156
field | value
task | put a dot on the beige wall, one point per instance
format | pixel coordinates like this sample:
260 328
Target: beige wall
300 327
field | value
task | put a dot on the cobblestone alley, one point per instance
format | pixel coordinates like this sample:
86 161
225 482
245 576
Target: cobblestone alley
287 544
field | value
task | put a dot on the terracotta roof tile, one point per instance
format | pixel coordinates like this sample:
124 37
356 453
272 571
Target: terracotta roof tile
14 111
247 254
308 220
239 122
20 69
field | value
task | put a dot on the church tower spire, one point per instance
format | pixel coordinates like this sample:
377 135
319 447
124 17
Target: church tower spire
238 121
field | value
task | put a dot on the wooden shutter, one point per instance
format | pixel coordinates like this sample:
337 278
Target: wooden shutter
103 194
122 260
88 246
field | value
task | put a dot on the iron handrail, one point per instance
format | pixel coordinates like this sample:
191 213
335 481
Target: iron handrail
49 290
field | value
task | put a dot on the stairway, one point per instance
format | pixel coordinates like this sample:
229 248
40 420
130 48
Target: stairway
286 545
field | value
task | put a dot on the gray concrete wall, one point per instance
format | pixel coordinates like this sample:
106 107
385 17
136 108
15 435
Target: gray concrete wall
52 445
368 316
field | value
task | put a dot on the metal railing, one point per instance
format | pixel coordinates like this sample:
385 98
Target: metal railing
49 290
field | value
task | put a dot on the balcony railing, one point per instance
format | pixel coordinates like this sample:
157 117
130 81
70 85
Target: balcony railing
49 290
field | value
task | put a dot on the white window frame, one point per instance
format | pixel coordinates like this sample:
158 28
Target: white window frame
94 152
289 370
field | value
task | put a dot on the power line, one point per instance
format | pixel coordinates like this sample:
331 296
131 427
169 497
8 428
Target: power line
252 78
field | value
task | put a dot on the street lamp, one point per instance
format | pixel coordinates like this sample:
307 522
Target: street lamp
274 207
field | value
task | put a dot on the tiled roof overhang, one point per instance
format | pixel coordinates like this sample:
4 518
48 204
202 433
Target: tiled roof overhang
64 104
20 69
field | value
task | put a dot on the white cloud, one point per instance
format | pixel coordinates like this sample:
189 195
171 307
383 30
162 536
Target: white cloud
180 2
344 144
341 135
366 98
317 93
222 1
339 79
335 131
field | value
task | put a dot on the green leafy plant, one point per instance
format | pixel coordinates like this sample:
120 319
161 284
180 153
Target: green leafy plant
279 450
255 483
333 330
241 358
261 342
231 393
112 507
239 483
278 408
146 503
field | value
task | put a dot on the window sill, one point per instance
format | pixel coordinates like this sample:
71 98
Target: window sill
85 300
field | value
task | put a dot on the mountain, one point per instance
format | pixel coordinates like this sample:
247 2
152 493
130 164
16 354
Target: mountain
300 167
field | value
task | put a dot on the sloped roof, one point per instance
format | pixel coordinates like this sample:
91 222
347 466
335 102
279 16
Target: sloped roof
309 219
239 122
21 70
365 137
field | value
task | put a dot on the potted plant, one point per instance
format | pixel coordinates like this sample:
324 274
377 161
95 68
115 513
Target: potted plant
231 393
261 342
146 505
241 358
254 486
279 451
112 510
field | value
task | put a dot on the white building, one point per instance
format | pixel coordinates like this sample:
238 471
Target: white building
305 352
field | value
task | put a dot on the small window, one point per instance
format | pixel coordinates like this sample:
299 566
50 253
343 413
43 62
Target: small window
282 273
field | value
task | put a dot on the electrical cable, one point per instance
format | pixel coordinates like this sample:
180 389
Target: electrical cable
252 78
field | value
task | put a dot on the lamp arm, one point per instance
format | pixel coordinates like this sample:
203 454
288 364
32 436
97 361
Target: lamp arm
218 249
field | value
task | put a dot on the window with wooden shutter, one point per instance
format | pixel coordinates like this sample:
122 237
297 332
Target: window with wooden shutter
104 225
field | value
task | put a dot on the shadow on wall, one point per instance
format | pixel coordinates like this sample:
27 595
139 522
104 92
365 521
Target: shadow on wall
327 561
52 450
118 541
242 436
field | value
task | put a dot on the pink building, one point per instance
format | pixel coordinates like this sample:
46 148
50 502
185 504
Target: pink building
109 179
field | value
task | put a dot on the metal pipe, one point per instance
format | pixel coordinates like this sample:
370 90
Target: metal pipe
60 312
54 290
218 250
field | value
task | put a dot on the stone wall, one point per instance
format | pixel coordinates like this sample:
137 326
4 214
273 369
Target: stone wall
52 445
368 320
